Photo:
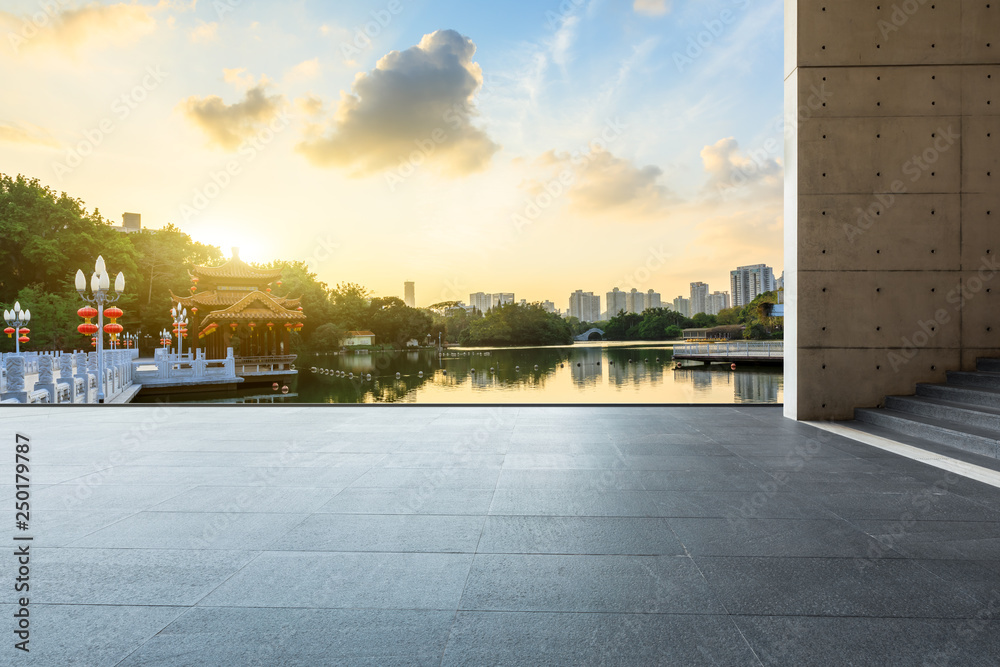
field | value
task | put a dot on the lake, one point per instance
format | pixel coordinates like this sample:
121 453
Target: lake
595 372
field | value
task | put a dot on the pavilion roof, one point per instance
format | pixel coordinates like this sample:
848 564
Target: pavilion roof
226 298
256 305
236 268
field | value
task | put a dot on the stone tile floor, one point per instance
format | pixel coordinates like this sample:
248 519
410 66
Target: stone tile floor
480 536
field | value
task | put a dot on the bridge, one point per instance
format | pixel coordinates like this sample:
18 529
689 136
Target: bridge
590 334
757 351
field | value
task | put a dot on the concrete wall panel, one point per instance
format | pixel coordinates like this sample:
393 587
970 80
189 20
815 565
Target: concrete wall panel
981 154
888 232
980 230
875 91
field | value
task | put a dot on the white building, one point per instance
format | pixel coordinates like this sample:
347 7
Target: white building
635 301
653 300
616 302
483 301
746 282
408 295
682 306
699 292
131 224
585 306
716 302
359 338
548 306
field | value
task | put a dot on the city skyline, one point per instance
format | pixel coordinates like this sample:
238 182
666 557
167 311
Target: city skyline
535 138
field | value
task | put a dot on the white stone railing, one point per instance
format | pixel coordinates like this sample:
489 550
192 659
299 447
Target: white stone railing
59 377
769 349
168 368
264 365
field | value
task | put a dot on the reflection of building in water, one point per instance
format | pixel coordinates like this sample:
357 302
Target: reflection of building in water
757 387
622 372
353 363
588 372
702 377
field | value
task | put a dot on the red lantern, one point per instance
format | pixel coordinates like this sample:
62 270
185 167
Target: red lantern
233 325
298 326
288 325
9 331
299 309
194 309
24 330
193 289
270 326
113 312
24 339
113 328
87 312
251 325
279 283
194 279
87 329
268 290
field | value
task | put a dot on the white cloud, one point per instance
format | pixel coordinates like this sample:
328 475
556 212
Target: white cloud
204 32
651 7
25 133
304 71
228 125
420 99
93 24
598 183
729 169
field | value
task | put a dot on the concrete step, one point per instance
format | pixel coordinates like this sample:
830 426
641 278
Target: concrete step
977 379
988 364
972 396
960 436
961 413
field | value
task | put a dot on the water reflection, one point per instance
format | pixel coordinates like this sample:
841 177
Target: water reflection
583 373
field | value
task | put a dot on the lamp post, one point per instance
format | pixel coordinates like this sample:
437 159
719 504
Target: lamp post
17 318
165 339
100 284
180 324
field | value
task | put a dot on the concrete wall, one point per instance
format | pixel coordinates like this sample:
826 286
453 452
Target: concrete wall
892 216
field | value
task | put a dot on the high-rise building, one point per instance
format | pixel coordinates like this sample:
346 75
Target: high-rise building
585 306
699 291
131 223
615 300
653 300
746 282
682 306
716 302
635 301
548 306
483 301
408 295
780 282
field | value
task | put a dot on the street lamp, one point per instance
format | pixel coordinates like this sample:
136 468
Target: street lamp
100 284
17 318
165 338
180 325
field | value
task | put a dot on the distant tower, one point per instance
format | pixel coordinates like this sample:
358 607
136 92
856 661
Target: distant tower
408 297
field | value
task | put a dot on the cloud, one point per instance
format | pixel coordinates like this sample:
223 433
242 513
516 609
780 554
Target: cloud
599 182
730 169
416 101
228 125
24 133
103 25
651 7
204 32
309 105
305 70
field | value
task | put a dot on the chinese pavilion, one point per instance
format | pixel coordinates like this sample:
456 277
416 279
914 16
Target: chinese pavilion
240 309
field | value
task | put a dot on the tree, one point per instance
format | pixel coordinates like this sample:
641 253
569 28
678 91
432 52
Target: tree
514 324
729 315
350 304
755 331
393 322
674 331
327 337
705 321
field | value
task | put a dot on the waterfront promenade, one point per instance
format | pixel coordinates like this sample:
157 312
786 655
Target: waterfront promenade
395 535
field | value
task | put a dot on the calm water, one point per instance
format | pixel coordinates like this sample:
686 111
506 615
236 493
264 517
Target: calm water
597 372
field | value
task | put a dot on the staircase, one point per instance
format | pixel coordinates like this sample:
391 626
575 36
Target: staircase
963 413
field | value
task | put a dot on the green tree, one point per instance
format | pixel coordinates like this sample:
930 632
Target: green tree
514 324
729 315
350 305
327 337
674 331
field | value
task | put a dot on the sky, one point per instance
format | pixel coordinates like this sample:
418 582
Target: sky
531 147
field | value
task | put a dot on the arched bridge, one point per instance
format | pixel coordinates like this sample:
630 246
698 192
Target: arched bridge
591 334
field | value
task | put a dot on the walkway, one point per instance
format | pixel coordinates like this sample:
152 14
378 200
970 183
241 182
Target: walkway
468 536
764 352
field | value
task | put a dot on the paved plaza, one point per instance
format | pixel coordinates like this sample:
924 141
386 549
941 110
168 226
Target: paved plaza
395 535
